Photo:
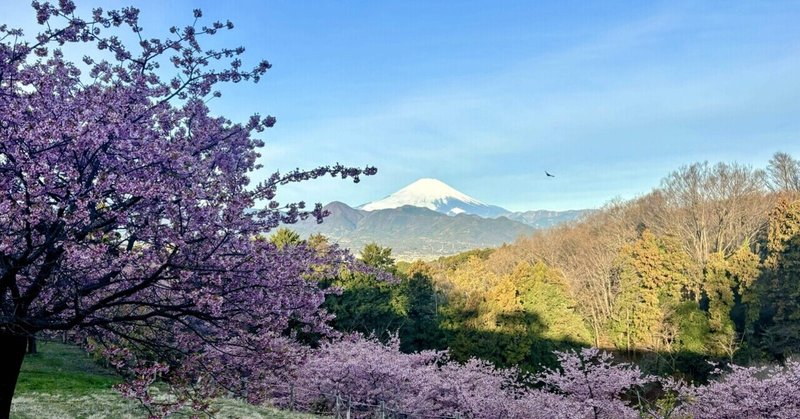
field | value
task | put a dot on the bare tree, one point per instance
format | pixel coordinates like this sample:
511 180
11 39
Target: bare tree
784 173
713 208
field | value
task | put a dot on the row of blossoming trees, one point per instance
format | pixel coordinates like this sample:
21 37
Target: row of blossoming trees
586 385
126 218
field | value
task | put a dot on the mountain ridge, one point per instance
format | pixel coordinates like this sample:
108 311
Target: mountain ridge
427 219
412 232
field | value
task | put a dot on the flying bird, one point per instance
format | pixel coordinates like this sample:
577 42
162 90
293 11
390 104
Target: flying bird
548 174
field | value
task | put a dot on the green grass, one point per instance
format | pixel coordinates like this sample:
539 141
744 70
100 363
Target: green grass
62 381
63 369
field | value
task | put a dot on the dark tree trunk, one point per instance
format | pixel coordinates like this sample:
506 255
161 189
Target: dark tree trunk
12 352
31 344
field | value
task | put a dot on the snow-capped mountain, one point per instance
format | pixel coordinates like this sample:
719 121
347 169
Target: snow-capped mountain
428 219
438 196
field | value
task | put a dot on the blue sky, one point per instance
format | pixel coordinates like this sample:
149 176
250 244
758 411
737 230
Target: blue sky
486 96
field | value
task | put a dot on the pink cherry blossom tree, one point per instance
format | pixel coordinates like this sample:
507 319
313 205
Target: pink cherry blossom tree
591 379
126 212
745 392
368 374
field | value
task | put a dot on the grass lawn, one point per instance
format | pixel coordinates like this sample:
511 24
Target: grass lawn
62 381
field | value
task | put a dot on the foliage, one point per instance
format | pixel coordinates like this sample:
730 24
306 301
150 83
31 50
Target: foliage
654 277
284 237
543 292
673 278
366 304
369 304
453 262
513 319
421 308
775 297
725 282
378 257
126 208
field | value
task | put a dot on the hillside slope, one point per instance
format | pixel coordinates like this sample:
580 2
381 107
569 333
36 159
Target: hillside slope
413 232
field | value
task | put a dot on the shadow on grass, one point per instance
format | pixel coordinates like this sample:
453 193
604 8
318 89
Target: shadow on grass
63 368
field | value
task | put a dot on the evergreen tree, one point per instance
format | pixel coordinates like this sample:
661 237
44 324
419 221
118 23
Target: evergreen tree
725 281
776 299
719 289
285 237
655 276
368 304
553 323
421 329
407 306
514 319
378 257
542 291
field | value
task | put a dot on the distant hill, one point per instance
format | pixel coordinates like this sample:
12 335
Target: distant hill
545 218
412 232
428 219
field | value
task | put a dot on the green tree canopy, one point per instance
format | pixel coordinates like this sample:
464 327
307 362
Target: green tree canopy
285 237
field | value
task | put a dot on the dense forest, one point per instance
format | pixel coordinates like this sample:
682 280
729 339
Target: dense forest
704 267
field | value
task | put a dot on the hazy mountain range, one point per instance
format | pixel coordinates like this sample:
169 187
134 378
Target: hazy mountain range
428 219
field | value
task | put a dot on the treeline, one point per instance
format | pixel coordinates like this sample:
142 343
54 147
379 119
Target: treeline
707 265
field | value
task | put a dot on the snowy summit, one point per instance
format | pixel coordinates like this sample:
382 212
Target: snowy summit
438 196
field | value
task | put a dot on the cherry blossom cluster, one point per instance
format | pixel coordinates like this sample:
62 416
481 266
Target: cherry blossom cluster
366 376
745 392
368 373
127 214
